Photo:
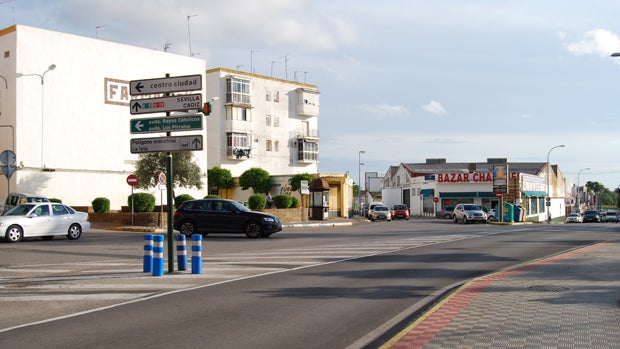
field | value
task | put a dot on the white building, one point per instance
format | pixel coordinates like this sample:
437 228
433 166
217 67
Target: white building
69 126
427 188
64 112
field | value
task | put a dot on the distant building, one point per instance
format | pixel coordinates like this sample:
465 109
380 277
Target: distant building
429 187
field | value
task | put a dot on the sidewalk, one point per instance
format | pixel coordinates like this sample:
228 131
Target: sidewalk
570 300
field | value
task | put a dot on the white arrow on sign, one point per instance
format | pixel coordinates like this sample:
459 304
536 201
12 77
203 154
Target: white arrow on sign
139 125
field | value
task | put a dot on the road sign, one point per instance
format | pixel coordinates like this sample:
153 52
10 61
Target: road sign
132 180
164 104
163 85
8 158
165 144
167 124
161 179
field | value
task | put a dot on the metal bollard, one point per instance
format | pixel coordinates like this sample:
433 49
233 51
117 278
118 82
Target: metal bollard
148 253
158 255
196 254
181 252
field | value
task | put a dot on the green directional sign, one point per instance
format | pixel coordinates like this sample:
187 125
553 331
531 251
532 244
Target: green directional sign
167 124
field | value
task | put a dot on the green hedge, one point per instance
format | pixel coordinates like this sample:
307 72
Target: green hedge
294 202
101 205
282 201
257 202
143 202
181 199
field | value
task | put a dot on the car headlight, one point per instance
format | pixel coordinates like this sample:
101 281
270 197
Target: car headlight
269 219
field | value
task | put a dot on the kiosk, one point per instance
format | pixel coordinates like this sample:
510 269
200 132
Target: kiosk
319 199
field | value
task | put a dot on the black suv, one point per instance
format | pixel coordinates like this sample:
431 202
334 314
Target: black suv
207 216
591 216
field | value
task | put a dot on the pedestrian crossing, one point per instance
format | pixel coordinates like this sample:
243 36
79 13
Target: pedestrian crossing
123 279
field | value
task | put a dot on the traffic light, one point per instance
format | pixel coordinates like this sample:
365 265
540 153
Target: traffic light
206 110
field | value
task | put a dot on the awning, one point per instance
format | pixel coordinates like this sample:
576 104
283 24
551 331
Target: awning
534 193
427 192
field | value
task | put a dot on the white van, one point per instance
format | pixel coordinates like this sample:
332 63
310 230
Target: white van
16 199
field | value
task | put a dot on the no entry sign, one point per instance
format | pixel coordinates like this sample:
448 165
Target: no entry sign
132 180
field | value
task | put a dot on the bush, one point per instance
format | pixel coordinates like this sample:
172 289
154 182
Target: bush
143 202
101 205
257 202
55 200
282 201
181 199
212 196
294 202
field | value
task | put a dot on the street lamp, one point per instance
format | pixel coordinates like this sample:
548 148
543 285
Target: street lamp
578 190
548 203
42 77
359 178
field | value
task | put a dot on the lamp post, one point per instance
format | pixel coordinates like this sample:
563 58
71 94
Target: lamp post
359 179
578 190
548 203
42 77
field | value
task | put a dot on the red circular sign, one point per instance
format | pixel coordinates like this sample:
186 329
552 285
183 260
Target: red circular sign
498 195
435 199
132 180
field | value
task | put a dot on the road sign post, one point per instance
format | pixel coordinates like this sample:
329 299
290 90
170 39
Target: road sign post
132 180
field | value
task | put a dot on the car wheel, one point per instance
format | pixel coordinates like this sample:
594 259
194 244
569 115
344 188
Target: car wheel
187 228
448 216
253 230
15 233
464 220
75 231
48 237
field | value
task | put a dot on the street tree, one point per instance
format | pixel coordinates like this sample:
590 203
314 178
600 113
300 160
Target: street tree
257 179
220 178
296 181
186 171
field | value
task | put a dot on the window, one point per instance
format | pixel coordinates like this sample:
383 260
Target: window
276 146
236 113
269 147
307 151
276 96
268 120
238 145
237 90
276 121
268 96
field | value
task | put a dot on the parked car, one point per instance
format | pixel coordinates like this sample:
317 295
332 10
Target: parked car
15 199
448 212
206 216
370 206
591 216
490 213
574 218
45 220
469 213
380 212
611 216
400 211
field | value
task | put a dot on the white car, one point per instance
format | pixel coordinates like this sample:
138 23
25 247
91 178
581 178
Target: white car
380 212
574 218
467 213
43 219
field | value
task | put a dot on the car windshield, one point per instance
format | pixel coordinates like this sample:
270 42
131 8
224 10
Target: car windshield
239 206
382 208
471 207
20 210
400 207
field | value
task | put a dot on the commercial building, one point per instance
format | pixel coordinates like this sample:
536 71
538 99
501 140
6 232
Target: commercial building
429 187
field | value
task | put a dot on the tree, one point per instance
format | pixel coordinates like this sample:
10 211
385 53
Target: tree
186 172
220 178
257 179
296 181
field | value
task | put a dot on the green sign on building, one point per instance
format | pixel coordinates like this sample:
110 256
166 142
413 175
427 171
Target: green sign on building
166 124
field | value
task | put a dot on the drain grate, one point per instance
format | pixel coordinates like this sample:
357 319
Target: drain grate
547 288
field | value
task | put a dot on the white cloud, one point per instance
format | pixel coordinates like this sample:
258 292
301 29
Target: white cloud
600 42
434 107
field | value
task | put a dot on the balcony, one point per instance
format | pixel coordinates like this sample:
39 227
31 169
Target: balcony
307 103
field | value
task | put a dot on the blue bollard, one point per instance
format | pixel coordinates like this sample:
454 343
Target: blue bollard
147 263
196 254
158 255
181 252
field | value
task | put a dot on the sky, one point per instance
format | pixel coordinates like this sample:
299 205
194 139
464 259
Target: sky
402 80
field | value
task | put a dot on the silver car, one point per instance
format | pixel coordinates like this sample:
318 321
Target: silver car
467 213
44 220
380 212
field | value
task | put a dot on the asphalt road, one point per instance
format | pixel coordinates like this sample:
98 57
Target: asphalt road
333 287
